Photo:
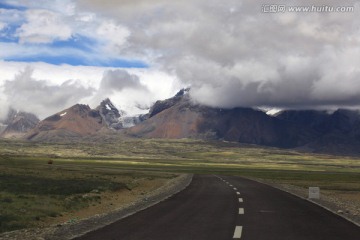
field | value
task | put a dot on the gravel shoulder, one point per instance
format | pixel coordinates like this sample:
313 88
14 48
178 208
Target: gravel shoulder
70 230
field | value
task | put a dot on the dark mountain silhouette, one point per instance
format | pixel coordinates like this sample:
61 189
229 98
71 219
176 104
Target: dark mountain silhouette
311 130
338 132
110 114
179 117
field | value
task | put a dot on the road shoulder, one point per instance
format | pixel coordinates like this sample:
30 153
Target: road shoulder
327 202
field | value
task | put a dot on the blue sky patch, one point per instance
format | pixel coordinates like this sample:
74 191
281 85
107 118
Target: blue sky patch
123 63
77 61
78 42
8 6
8 34
79 50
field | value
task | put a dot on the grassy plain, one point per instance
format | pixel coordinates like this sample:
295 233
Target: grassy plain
86 174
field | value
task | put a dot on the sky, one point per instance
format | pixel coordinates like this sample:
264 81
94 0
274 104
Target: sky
232 53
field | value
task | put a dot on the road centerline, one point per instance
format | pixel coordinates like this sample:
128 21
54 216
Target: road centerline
241 210
238 232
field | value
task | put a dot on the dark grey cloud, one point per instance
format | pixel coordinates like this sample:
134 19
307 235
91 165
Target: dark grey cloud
233 54
117 80
39 97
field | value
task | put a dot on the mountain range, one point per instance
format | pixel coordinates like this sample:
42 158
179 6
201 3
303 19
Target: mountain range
180 117
17 123
78 121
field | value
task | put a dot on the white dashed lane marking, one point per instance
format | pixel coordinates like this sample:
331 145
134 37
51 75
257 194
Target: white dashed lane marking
237 232
238 229
241 211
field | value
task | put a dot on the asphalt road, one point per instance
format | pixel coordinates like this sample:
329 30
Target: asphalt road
216 208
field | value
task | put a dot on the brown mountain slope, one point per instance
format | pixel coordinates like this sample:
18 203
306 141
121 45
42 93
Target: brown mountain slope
181 118
78 120
170 123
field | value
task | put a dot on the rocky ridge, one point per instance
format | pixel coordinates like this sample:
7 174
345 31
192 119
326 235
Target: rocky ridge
17 124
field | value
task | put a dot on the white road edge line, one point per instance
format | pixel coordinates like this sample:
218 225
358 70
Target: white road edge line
238 232
241 211
241 200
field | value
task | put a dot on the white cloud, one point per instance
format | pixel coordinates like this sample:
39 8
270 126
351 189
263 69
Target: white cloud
28 94
232 54
4 105
54 74
11 16
2 26
113 35
85 17
131 88
43 26
154 85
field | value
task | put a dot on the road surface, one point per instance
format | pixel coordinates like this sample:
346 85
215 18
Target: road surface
216 208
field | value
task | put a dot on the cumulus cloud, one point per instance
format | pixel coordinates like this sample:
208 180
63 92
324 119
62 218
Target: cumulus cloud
229 52
4 107
46 30
38 96
43 26
124 89
112 35
127 88
117 80
233 54
11 16
134 90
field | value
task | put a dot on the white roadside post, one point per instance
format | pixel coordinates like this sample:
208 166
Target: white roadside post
314 192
